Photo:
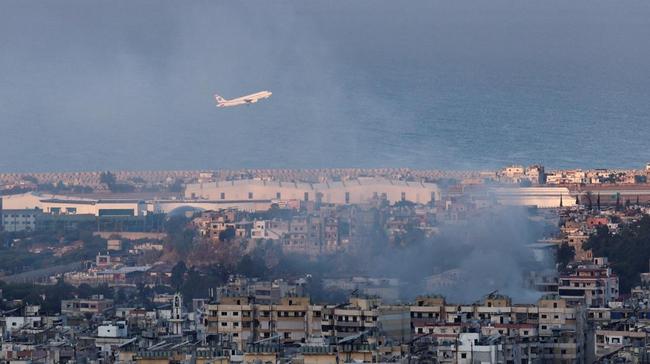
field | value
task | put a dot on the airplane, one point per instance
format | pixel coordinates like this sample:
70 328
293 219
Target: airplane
243 100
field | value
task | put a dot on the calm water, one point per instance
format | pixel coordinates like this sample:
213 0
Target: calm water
473 84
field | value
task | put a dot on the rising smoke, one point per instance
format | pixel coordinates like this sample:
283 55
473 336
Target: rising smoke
482 254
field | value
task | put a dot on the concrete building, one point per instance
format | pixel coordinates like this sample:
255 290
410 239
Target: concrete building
19 220
360 190
594 285
112 329
292 320
81 306
64 205
114 244
542 197
177 317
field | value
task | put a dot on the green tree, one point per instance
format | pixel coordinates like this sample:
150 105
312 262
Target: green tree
107 178
628 250
178 274
227 234
565 254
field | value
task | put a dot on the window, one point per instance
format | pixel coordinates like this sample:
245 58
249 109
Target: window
278 195
347 197
250 195
306 196
463 355
224 324
224 313
403 196
116 212
223 195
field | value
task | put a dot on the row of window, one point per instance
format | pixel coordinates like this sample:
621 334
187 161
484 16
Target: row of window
278 196
5 216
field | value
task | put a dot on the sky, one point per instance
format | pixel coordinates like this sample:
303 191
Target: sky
108 85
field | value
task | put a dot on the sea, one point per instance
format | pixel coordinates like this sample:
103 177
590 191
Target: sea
421 84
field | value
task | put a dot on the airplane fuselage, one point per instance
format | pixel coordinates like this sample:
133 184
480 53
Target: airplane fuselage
243 100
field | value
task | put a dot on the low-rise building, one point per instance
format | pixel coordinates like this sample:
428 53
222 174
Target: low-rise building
96 305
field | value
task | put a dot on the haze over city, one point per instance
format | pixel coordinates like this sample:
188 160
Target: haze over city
316 182
447 85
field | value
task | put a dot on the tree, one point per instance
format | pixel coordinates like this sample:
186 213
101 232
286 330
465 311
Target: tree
565 254
177 186
107 178
198 284
227 234
31 179
143 295
628 249
178 274
110 181
180 238
120 296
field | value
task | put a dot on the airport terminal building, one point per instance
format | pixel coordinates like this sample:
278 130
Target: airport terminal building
355 191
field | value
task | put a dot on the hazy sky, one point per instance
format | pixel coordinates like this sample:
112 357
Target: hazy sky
90 85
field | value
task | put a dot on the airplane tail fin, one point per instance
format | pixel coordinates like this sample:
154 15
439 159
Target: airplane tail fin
219 99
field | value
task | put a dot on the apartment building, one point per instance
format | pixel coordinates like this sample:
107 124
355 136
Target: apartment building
593 284
95 305
293 319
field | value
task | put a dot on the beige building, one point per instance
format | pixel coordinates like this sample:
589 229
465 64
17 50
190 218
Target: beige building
292 320
360 190
65 205
80 306
542 197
